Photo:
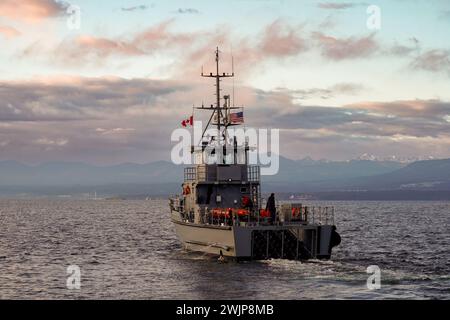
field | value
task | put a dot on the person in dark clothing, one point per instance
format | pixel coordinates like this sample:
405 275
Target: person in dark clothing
270 206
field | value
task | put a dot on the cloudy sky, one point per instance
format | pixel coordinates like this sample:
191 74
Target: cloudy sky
115 88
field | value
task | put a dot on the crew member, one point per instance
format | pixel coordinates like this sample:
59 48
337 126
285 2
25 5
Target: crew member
270 206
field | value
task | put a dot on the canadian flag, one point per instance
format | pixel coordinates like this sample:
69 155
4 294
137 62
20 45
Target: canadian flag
189 121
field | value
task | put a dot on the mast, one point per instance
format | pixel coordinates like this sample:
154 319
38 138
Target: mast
222 120
218 89
218 109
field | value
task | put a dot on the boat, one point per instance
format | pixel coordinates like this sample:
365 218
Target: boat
221 209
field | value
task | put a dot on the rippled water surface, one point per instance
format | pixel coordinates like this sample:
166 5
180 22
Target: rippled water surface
128 250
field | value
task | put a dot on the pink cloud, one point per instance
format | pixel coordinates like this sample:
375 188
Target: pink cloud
87 49
423 109
433 60
278 40
281 40
9 32
161 37
31 10
90 48
346 48
106 47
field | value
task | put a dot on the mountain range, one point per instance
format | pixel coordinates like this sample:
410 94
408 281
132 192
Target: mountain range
162 177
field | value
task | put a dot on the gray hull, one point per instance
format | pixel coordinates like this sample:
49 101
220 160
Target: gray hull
259 242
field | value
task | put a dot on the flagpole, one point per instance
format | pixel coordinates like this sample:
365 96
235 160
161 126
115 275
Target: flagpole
192 125
232 68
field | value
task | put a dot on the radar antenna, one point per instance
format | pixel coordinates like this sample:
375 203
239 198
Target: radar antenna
222 118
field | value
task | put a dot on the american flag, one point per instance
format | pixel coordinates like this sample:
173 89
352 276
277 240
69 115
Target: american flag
237 117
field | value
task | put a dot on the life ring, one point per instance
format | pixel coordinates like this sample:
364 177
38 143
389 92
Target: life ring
186 190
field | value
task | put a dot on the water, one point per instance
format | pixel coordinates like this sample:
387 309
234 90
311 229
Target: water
128 250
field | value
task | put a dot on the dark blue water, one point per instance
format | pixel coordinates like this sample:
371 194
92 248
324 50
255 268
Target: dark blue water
128 250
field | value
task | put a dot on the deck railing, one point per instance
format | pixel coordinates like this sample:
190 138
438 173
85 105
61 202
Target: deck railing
206 173
297 215
287 214
176 204
296 212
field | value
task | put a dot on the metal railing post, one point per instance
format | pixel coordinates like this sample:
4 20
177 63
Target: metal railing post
313 214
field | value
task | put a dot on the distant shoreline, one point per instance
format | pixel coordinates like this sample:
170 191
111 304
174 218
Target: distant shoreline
382 195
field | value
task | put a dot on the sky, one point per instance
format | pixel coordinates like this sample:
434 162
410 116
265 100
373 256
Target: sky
110 84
